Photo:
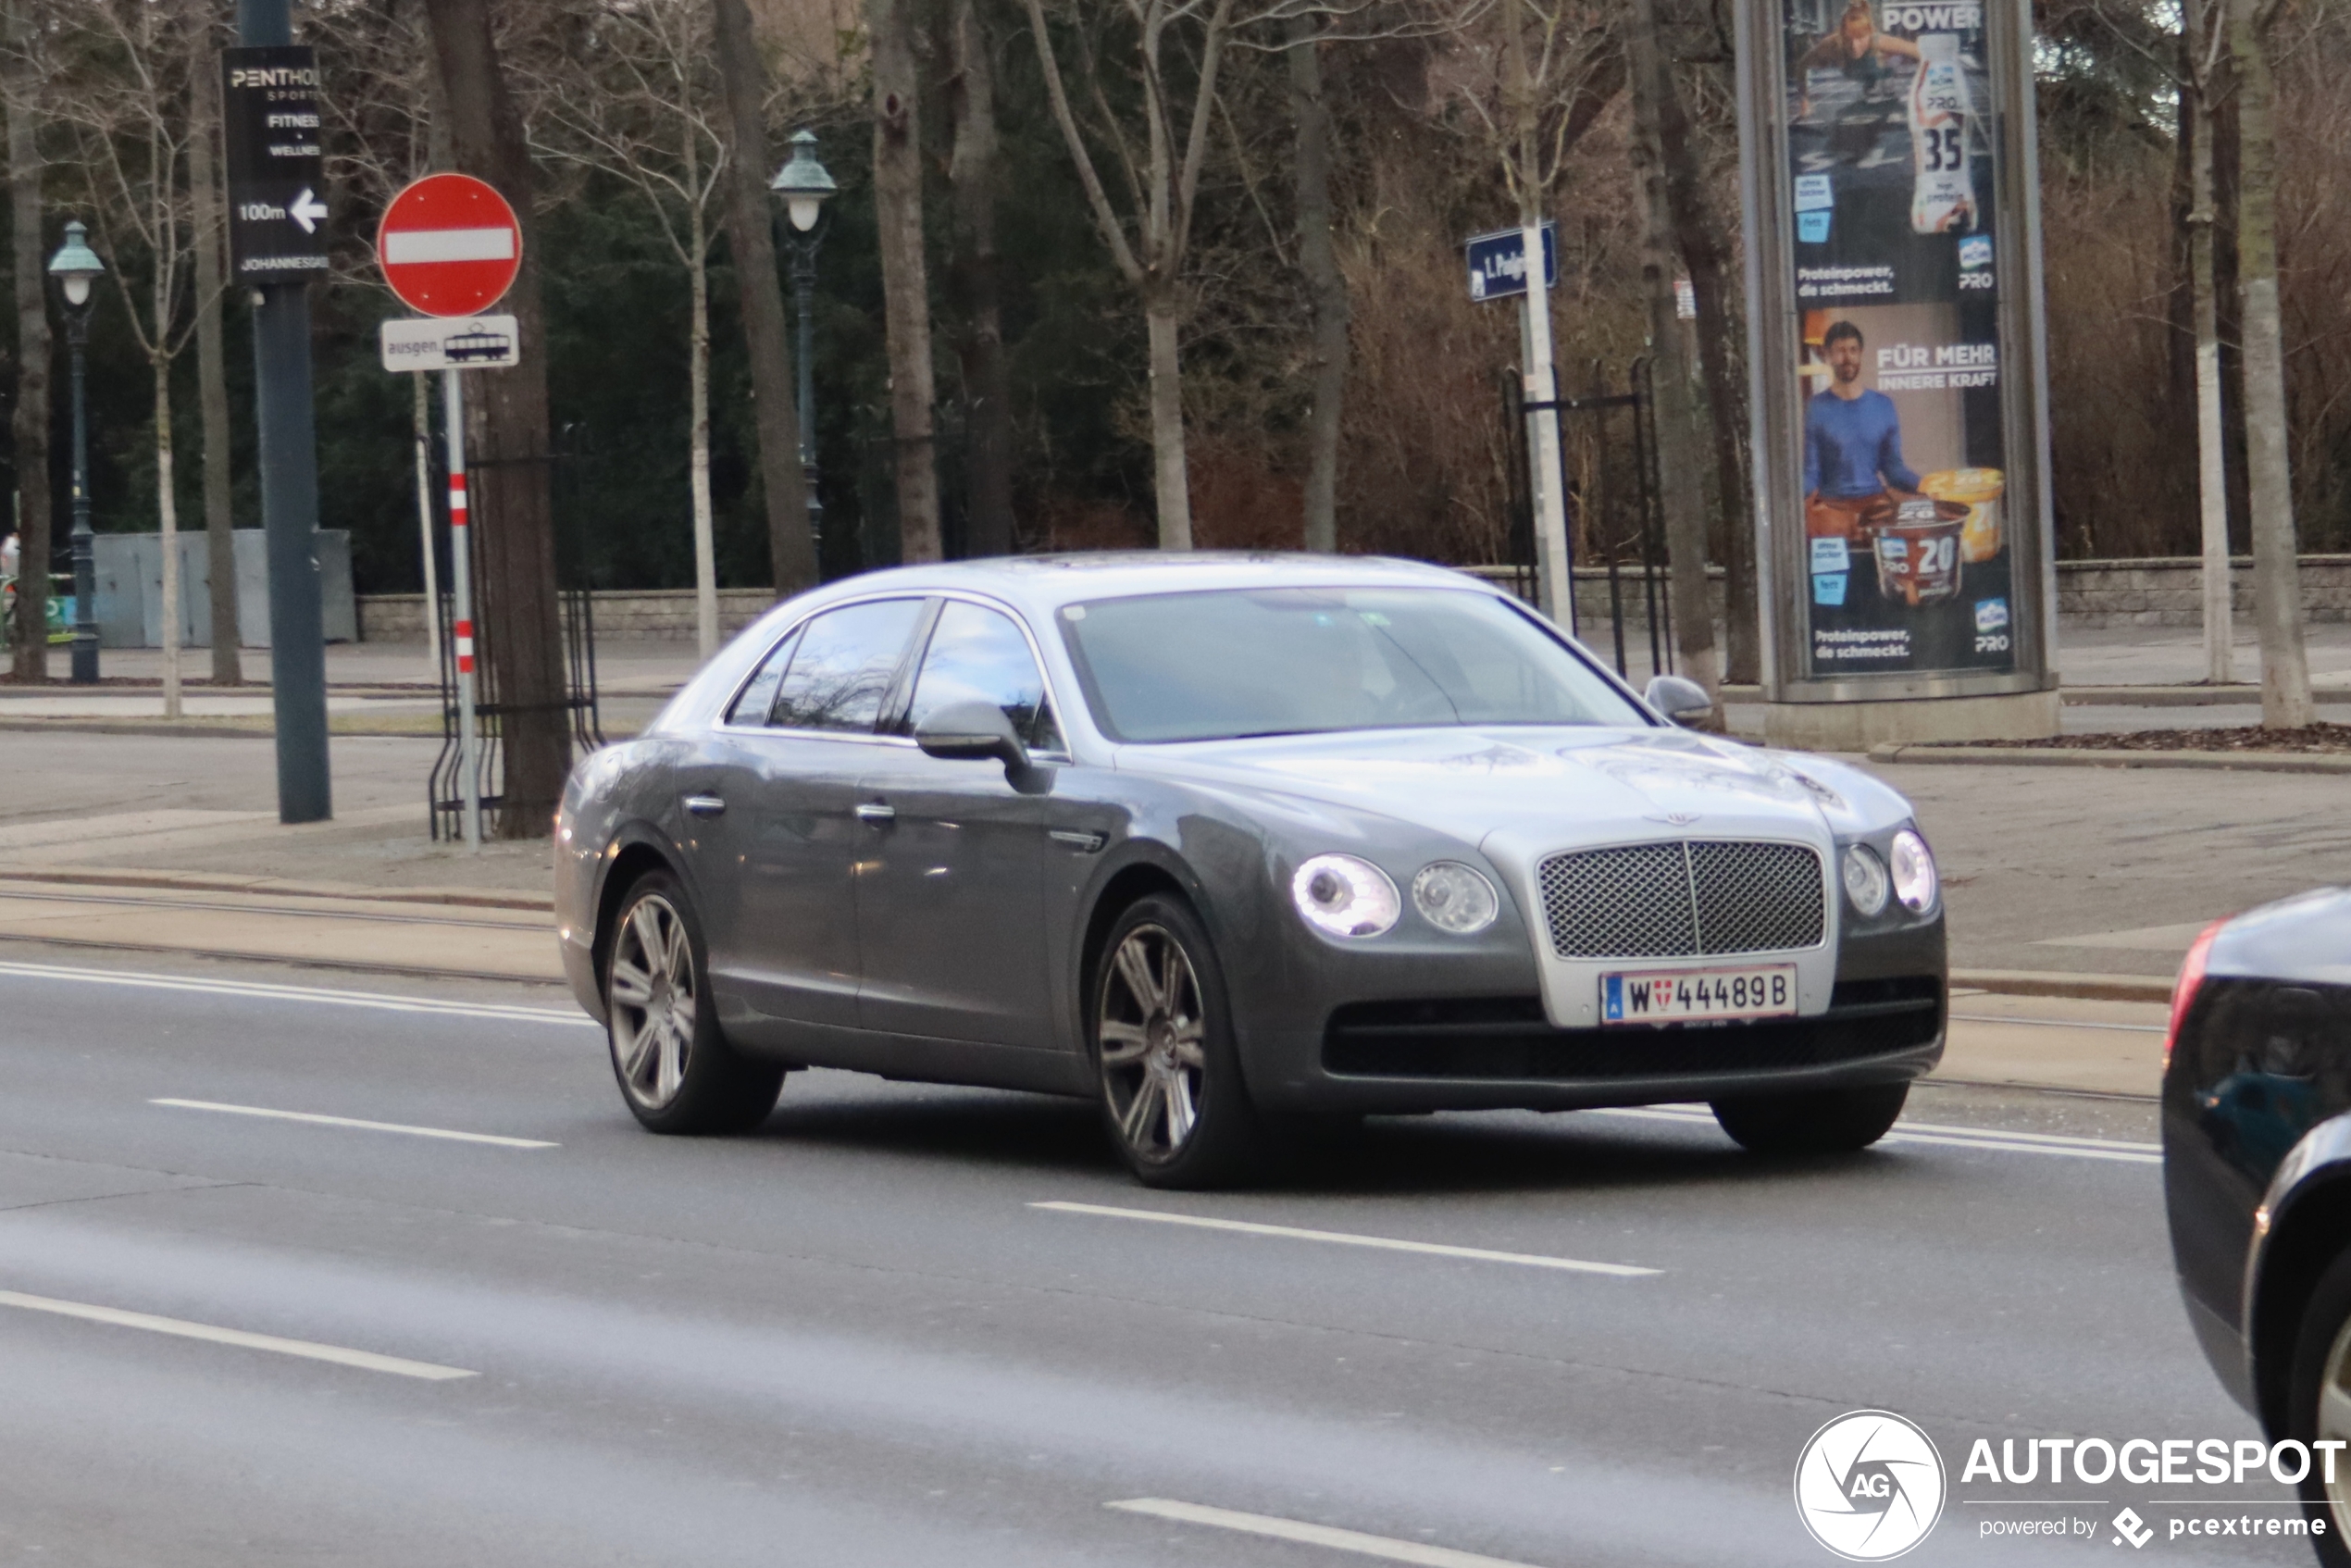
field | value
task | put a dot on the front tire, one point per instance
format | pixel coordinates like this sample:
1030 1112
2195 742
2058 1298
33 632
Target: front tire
1824 1121
2319 1406
1168 1072
675 1068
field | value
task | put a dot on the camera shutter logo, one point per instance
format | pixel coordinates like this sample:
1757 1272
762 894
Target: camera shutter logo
1869 1485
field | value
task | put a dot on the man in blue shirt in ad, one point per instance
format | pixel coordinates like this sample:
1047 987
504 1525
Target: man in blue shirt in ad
1852 434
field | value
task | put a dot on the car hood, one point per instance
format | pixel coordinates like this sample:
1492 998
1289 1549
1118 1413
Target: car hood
1552 787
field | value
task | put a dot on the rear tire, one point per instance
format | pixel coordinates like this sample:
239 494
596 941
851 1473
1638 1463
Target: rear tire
1167 1074
2319 1406
674 1067
1824 1121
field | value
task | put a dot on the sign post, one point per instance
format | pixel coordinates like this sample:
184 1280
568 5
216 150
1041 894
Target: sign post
277 243
450 246
1898 351
1497 269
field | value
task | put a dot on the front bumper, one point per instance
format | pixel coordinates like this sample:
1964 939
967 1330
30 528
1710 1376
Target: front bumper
1493 1049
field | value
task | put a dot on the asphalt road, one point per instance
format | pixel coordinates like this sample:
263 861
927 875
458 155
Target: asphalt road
854 1338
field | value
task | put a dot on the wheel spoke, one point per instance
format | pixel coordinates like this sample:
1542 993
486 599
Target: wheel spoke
1123 1044
1172 968
644 922
631 987
1134 968
2334 1411
679 956
1142 1112
1190 1038
1180 1116
672 1061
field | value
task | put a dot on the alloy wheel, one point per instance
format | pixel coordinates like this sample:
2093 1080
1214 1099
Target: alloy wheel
1151 1032
2334 1421
653 998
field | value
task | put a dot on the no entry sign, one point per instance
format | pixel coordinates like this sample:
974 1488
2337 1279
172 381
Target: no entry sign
449 246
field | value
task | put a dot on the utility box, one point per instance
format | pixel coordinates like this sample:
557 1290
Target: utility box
129 582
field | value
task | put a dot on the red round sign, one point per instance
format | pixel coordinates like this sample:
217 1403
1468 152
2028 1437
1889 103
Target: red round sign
449 246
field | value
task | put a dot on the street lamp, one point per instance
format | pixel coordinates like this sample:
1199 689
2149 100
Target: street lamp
806 188
77 269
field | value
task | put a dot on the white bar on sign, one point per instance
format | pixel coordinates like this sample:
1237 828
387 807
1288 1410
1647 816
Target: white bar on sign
404 246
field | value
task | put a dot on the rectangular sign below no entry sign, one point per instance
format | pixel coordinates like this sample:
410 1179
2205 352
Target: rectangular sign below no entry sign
464 342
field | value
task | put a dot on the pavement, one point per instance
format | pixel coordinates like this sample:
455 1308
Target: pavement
302 1270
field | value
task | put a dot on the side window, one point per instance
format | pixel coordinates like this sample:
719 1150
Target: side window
979 656
752 706
843 666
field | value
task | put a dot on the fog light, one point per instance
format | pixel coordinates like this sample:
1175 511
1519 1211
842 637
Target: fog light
1453 897
1865 881
1914 879
1344 896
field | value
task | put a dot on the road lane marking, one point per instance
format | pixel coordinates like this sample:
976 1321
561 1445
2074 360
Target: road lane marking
2059 1022
1945 1136
262 990
1393 1550
1346 1239
313 1117
367 1361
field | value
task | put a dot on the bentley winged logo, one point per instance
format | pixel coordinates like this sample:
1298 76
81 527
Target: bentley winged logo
1674 818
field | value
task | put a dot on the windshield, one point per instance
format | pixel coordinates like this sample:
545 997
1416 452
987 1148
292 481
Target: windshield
1291 661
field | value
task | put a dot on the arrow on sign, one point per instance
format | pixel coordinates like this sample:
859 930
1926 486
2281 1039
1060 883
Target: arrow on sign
307 210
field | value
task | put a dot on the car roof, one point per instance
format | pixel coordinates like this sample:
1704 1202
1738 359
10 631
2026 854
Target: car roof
1047 582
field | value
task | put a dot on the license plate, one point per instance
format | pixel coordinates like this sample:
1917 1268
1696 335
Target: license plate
1673 996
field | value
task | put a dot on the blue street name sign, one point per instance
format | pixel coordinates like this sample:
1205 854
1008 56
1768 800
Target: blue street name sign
1498 262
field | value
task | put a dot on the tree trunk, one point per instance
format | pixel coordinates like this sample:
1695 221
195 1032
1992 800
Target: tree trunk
2212 483
898 214
1325 287
1681 493
212 379
168 520
975 278
29 426
698 456
2285 665
518 615
1706 252
742 81
1170 480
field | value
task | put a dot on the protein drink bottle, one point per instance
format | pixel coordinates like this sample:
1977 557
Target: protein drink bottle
1942 196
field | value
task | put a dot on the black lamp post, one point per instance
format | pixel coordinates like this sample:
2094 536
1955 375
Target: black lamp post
77 269
806 188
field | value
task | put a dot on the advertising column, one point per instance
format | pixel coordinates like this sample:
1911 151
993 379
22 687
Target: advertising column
1896 345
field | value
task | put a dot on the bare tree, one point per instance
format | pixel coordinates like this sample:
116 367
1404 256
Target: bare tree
129 105
638 98
1326 285
898 216
974 280
2285 663
749 234
24 82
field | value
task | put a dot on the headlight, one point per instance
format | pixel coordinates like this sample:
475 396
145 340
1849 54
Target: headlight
1865 881
1453 897
1914 879
1344 896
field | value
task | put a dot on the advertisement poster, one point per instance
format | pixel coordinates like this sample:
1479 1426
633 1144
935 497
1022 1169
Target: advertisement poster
1908 560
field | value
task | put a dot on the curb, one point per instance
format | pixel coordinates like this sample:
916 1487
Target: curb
2051 982
221 882
347 966
2184 696
2223 761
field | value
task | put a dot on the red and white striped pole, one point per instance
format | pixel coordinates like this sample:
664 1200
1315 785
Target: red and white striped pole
461 582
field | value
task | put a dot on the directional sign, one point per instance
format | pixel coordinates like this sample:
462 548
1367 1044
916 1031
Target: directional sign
449 246
276 179
473 343
1498 263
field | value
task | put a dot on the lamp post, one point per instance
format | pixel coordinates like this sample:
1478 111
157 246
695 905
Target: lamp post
806 188
77 269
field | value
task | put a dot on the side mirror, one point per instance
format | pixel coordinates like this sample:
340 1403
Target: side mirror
1679 700
969 731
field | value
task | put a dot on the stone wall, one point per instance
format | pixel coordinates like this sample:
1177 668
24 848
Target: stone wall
2158 592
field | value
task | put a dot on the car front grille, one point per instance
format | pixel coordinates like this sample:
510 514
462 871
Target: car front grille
1688 899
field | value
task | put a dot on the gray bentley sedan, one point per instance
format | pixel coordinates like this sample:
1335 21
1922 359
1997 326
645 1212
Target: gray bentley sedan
1230 845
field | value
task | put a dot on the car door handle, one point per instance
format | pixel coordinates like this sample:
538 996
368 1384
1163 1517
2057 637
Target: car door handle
880 816
1078 838
706 805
